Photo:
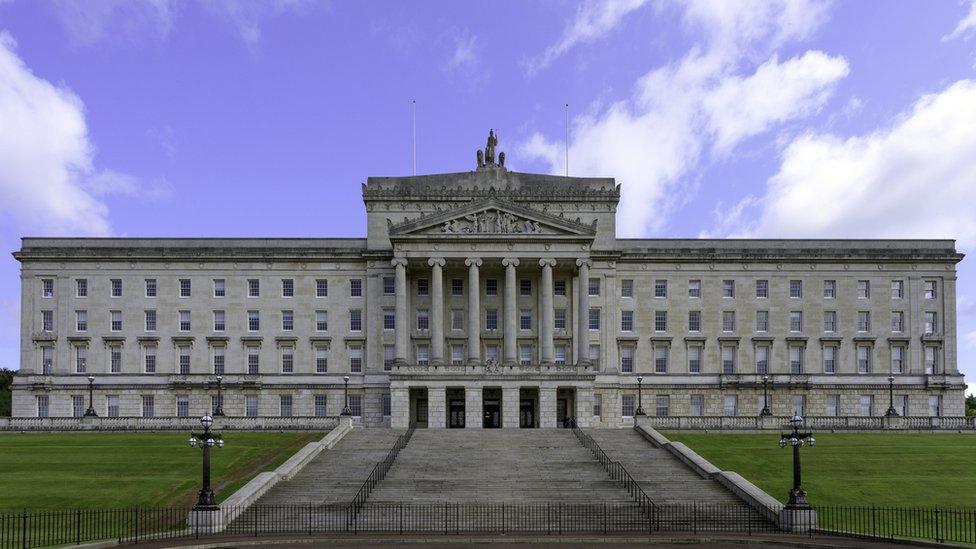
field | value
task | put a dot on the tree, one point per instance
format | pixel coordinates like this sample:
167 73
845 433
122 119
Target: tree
971 405
6 378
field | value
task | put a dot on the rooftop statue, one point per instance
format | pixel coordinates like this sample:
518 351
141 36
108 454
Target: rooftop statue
487 157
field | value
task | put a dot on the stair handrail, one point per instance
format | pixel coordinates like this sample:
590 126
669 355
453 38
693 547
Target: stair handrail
380 469
614 468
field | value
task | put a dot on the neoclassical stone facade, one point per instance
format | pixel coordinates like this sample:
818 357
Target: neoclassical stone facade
488 298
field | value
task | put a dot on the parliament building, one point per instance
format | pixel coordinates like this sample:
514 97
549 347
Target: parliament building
482 299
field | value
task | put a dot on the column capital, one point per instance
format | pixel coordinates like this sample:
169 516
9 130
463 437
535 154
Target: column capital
513 261
547 261
399 262
472 262
438 261
584 261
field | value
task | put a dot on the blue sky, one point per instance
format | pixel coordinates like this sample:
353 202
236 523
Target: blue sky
262 118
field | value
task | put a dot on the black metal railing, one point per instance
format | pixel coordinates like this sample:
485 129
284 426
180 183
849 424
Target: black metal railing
615 469
48 528
379 470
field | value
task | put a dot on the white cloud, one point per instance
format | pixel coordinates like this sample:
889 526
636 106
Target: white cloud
965 26
652 141
248 16
48 183
108 182
464 52
594 18
915 179
92 21
970 389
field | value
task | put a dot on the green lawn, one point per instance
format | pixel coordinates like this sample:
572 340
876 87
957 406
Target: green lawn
111 470
846 469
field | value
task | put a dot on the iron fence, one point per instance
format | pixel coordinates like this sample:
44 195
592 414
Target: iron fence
49 528
614 468
380 469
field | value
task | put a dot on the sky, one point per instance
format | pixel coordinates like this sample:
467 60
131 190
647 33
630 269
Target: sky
721 118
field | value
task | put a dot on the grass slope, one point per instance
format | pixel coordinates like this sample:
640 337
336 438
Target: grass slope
847 469
111 470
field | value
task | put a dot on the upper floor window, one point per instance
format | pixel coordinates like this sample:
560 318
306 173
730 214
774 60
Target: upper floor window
47 321
184 321
525 354
863 289
457 287
830 321
287 320
559 287
593 287
219 287
694 288
491 286
389 285
491 319
594 319
660 288
184 287
728 288
355 320
287 287
81 287
525 319
796 289
830 289
626 321
627 359
559 319
728 321
117 287
253 321
423 319
219 321
321 287
389 319
897 289
929 289
762 321
253 287
930 322
150 287
525 287
762 289
897 321
47 287
423 287
660 321
864 321
457 320
627 288
796 321
355 287
321 321
694 321
116 321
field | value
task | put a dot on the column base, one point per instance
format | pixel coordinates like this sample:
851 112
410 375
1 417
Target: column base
797 519
206 520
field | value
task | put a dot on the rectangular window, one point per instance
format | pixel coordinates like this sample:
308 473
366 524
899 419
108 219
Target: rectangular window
762 289
796 321
728 321
627 359
559 319
929 289
594 319
796 289
182 406
43 406
457 355
81 359
935 405
660 359
728 359
457 287
491 286
863 359
762 360
112 405
694 289
897 321
901 405
457 320
796 359
253 321
287 287
47 321
321 405
627 288
491 319
799 405
219 321
355 287
833 405
694 321
184 321
355 320
559 287
762 321
863 289
387 405
389 319
559 354
423 287
930 323
389 357
867 405
285 405
660 321
830 321
251 405
931 360
47 287
219 360
897 359
253 361
148 406
491 352
598 405
356 405
321 359
116 320
321 321
81 287
184 359
287 360
730 405
594 353
356 359
321 287
626 321
660 288
525 287
694 359
423 319
525 354
150 287
728 289
115 358
897 289
864 321
697 405
593 287
253 287
219 288
830 359
627 405
423 354
116 287
389 285
184 287
662 405
47 360
830 289
149 359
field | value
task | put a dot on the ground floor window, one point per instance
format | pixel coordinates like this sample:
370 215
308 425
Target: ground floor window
320 405
285 405
867 405
387 405
731 405
148 406
627 405
112 405
43 406
697 405
77 405
935 405
182 406
251 405
598 405
662 405
356 405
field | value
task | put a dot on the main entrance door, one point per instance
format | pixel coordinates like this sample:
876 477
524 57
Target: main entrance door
527 413
421 412
456 413
492 414
562 419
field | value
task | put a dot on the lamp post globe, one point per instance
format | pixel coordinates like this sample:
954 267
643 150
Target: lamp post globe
345 407
640 398
891 397
765 409
90 412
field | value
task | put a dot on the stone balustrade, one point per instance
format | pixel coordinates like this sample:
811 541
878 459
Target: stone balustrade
166 423
816 423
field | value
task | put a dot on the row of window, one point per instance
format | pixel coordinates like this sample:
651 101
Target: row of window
731 407
795 319
897 288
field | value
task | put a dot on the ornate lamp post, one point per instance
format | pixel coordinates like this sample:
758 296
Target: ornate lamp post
345 408
796 439
219 408
765 409
205 441
90 412
640 400
891 397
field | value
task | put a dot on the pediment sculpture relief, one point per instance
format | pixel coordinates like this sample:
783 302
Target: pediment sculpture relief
491 222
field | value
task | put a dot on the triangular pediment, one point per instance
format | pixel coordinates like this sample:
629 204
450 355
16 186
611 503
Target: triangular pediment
492 217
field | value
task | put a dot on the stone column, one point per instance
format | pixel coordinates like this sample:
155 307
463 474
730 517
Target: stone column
547 407
547 316
436 408
583 313
584 405
474 315
399 407
510 407
436 310
473 407
511 311
402 322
